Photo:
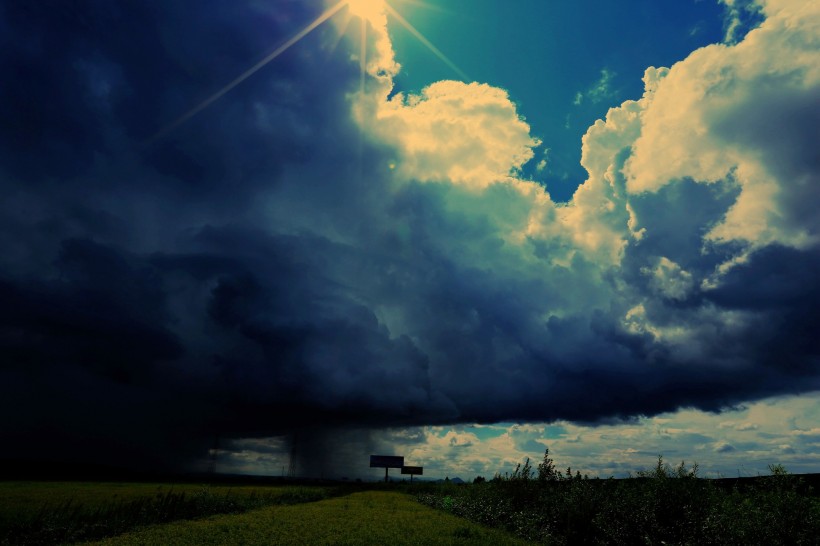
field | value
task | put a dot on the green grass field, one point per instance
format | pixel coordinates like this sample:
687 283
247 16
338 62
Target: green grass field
155 513
369 517
21 500
64 512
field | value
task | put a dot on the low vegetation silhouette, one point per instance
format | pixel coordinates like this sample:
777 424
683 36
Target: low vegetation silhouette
661 505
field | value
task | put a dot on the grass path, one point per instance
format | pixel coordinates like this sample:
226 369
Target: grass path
370 517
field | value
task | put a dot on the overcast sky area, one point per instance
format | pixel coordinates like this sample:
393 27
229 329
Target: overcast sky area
482 229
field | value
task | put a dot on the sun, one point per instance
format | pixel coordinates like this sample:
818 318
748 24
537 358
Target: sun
374 12
369 10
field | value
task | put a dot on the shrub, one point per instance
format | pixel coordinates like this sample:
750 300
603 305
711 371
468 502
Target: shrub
661 505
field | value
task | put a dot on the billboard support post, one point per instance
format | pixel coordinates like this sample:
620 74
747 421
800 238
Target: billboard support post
386 462
413 471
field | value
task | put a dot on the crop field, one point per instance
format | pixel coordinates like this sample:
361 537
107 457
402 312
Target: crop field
65 512
23 499
154 513
368 517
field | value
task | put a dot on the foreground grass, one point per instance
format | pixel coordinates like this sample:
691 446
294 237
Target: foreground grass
369 517
63 512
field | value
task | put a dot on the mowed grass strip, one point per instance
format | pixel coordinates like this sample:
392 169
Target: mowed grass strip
369 517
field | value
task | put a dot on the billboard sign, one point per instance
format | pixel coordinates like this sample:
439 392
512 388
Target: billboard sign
412 470
386 461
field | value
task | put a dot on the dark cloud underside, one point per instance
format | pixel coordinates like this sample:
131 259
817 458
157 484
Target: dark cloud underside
257 272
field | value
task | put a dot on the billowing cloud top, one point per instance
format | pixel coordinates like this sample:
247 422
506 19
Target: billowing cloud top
302 254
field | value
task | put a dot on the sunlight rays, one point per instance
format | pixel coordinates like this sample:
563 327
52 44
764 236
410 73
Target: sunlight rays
363 55
421 38
368 11
327 14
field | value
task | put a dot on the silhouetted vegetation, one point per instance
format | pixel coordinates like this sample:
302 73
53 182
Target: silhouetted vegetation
662 505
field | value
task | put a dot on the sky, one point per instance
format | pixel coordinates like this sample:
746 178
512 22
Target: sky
304 232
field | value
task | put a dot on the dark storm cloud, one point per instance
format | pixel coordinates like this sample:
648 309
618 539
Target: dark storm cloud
779 284
251 274
99 294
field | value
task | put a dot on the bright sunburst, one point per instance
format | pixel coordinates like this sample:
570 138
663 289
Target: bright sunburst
370 10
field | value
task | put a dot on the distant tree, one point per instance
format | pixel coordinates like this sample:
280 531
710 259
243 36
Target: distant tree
778 470
522 473
546 469
479 479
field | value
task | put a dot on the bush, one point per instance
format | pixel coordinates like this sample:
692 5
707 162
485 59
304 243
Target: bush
662 505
